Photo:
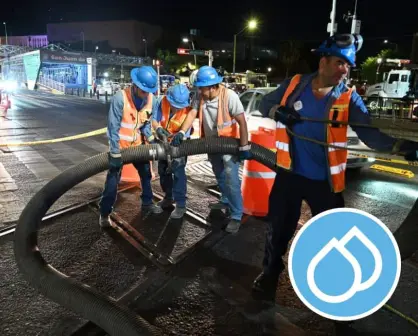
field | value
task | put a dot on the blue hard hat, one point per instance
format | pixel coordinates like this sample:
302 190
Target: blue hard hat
178 96
145 78
341 45
207 76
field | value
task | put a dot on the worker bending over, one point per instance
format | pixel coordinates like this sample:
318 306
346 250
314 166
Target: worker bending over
129 124
168 118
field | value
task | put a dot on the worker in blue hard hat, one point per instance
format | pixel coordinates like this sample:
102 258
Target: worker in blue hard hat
168 118
308 171
129 124
220 112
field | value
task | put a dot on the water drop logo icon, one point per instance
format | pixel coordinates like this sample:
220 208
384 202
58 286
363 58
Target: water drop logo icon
344 264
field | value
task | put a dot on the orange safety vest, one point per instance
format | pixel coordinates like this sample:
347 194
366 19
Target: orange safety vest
226 126
132 119
174 124
336 135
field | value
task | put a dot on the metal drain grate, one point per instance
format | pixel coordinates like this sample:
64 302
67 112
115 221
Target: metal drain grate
204 168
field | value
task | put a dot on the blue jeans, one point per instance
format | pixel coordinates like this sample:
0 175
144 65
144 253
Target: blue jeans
226 170
174 184
111 187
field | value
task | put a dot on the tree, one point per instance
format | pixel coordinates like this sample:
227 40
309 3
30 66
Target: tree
170 62
370 65
289 55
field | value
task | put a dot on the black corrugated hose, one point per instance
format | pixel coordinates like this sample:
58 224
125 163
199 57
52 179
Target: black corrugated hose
102 310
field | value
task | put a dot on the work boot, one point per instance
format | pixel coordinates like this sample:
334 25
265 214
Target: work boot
264 287
233 226
152 208
165 204
218 206
178 213
105 221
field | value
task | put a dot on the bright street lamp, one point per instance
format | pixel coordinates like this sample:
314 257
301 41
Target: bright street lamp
251 25
185 40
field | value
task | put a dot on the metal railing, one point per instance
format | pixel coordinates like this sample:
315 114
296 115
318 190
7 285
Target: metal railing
50 83
394 108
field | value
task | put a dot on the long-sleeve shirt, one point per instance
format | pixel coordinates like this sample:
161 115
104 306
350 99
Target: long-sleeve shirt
157 115
372 137
115 118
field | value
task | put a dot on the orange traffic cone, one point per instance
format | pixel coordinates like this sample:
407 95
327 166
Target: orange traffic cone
130 174
257 179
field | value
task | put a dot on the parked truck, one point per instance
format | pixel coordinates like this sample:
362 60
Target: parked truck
399 83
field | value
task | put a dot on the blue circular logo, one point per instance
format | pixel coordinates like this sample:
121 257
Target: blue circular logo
344 264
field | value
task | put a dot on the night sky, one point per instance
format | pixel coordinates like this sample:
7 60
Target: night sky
279 20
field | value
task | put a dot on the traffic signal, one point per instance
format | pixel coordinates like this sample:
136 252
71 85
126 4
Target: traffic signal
182 51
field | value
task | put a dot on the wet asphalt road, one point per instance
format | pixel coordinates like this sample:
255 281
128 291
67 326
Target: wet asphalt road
196 300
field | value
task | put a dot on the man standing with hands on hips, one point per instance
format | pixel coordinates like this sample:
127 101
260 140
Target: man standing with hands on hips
220 112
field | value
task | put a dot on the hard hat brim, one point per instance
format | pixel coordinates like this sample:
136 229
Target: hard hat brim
209 83
134 75
175 104
329 52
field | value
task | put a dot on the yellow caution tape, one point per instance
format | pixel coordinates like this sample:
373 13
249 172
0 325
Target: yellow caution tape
400 314
386 159
42 142
392 170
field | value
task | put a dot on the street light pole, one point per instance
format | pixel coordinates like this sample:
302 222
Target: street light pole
82 33
252 24
146 46
235 52
186 40
195 56
5 30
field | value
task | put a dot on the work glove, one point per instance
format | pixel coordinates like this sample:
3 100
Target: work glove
287 116
145 116
147 132
411 155
245 153
115 162
177 139
162 134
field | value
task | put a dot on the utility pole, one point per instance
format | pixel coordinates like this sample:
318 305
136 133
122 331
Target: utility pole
355 26
210 55
332 26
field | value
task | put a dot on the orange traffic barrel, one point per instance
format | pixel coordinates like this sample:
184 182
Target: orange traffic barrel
257 179
130 174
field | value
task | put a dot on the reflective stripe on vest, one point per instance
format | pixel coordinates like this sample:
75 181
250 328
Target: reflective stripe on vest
174 124
262 175
336 135
225 125
131 120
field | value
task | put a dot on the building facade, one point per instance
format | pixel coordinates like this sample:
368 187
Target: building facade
137 37
31 41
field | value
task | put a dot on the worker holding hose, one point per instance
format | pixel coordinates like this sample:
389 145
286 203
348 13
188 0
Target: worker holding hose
308 170
168 118
129 124
220 112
